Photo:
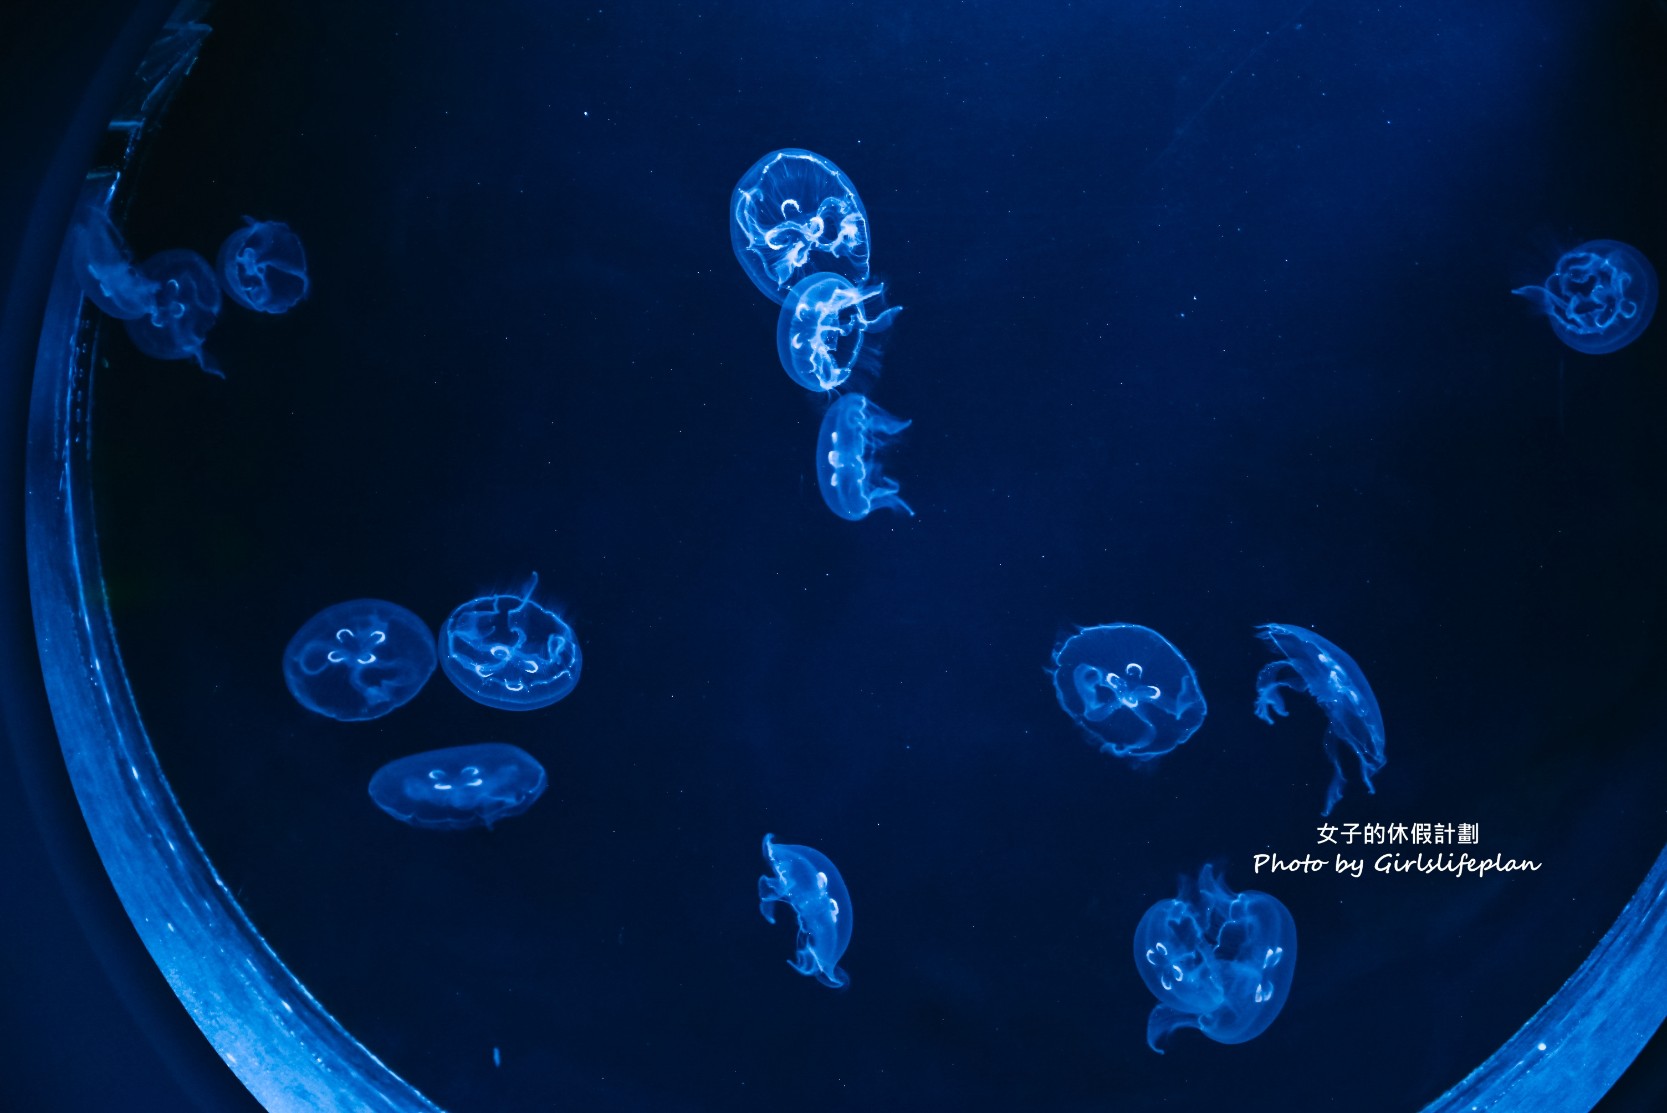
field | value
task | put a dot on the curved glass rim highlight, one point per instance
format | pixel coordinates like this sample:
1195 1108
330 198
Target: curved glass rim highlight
284 1046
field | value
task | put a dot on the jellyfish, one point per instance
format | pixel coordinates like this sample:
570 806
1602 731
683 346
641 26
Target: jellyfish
104 267
1313 664
1600 297
460 787
359 660
808 883
853 431
509 652
263 266
795 213
185 307
822 327
1216 960
1128 688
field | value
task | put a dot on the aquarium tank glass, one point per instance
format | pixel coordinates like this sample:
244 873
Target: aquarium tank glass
395 353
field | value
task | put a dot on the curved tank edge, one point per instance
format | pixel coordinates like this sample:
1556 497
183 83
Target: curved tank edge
1570 1052
283 1044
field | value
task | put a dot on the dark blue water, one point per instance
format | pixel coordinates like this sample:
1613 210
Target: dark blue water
1207 325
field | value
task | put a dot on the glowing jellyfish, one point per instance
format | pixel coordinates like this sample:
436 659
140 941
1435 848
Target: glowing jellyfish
104 267
1600 297
793 214
460 787
359 660
822 328
1128 688
805 881
1216 960
853 431
509 652
1316 666
186 305
263 266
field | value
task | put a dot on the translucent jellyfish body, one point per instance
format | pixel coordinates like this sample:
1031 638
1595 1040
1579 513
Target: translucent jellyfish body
1600 297
460 787
1128 688
1216 960
824 322
795 213
507 651
185 307
847 458
1316 666
359 660
104 267
805 881
263 266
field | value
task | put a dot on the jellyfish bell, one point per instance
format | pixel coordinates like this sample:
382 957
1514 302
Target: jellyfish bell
822 334
848 466
1599 297
359 660
460 787
795 213
803 878
1311 664
510 651
1129 689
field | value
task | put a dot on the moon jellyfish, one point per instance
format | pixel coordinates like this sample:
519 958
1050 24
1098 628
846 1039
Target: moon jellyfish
822 327
460 787
104 267
359 660
1128 688
1216 960
509 652
795 213
263 266
1316 666
186 304
853 431
805 881
1600 297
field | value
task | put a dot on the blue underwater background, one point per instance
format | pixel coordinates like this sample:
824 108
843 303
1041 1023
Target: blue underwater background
1208 324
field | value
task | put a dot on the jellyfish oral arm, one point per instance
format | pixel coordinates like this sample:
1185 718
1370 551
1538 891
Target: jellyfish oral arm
1163 1020
1539 296
1591 297
796 238
1334 790
1334 745
1274 676
208 363
886 496
769 892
